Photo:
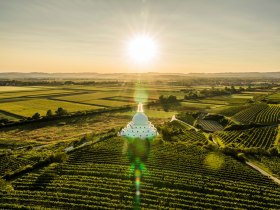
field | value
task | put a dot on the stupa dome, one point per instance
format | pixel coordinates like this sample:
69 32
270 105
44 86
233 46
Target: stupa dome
140 119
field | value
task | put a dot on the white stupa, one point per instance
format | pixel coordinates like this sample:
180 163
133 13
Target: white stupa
140 126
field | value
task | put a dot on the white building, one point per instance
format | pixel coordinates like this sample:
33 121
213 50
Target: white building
140 126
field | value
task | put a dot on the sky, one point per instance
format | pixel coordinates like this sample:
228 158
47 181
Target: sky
192 36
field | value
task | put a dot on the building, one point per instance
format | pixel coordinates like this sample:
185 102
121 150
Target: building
140 126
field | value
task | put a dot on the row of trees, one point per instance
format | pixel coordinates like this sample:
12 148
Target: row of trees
56 83
168 102
195 94
59 112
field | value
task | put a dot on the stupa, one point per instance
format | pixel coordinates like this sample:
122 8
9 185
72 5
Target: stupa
140 126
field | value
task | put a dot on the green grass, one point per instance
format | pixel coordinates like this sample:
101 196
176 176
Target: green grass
35 93
28 107
109 103
152 114
95 96
15 89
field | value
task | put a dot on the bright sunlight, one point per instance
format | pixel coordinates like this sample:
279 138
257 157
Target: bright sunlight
142 49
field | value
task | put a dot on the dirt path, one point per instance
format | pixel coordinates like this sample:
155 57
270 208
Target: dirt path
263 172
174 118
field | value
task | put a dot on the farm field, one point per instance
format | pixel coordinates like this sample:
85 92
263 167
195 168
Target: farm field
182 168
264 137
27 108
170 179
16 89
62 130
33 93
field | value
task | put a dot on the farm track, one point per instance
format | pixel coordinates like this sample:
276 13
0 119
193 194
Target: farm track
174 118
263 172
11 114
77 102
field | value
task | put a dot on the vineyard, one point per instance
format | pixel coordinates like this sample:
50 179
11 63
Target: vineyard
210 125
264 137
269 115
248 115
178 132
174 176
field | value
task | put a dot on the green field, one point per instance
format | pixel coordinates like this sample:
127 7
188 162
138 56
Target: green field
183 168
27 108
174 176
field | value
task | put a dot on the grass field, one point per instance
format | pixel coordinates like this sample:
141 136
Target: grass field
27 108
16 89
35 93
152 114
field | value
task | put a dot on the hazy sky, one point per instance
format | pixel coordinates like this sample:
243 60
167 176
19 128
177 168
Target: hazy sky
91 35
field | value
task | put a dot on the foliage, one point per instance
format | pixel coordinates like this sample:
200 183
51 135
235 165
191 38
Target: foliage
168 102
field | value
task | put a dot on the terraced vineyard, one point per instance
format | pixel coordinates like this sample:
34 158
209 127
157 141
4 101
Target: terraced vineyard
256 137
174 176
269 115
210 125
248 115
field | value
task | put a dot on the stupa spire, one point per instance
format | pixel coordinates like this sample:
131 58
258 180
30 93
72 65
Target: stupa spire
140 107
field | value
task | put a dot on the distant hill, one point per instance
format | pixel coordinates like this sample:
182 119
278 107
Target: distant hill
94 75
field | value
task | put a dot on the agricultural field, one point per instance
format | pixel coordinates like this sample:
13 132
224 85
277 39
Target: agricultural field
27 101
248 115
275 98
210 125
270 114
27 108
264 137
184 167
173 176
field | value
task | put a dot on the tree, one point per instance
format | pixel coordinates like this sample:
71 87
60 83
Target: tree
60 111
49 114
36 116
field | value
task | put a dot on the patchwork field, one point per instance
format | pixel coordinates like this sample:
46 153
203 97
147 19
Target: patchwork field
27 108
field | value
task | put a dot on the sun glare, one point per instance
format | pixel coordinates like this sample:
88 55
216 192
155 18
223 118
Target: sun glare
142 49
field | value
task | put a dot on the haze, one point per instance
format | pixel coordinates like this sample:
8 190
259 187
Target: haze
90 36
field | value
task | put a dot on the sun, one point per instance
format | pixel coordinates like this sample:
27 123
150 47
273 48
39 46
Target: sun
142 49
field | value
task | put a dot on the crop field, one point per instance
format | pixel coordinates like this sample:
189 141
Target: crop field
45 133
28 107
248 115
199 105
16 89
230 110
235 99
183 168
270 114
274 97
256 137
174 176
34 93
210 125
